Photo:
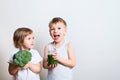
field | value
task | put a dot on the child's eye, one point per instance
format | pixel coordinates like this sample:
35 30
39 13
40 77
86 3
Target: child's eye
33 38
59 28
29 38
52 29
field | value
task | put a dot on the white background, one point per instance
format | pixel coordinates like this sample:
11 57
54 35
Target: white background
93 27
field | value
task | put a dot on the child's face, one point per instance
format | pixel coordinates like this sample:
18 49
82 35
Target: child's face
28 42
58 31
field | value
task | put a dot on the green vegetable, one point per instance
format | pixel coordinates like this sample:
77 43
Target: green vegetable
22 57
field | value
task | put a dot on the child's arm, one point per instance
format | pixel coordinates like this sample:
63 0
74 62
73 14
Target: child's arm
36 68
45 61
71 61
13 69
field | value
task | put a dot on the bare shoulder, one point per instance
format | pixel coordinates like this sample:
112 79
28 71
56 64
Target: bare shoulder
70 44
46 47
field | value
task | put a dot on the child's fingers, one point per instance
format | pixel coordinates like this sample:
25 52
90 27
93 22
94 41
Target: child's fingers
54 54
52 66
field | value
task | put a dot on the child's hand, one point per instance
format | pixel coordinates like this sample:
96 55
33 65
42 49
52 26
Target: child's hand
51 66
26 66
55 56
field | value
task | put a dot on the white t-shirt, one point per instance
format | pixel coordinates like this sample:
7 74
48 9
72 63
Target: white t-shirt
27 74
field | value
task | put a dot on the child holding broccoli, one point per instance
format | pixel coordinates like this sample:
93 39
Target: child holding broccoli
25 63
61 51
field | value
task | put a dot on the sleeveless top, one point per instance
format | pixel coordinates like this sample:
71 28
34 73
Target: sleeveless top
60 72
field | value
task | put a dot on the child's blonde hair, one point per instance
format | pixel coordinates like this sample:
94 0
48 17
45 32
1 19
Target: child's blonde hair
56 20
19 35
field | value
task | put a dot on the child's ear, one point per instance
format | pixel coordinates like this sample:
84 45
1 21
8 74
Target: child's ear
65 31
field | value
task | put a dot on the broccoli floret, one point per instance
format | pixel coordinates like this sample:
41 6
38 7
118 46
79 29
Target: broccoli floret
22 57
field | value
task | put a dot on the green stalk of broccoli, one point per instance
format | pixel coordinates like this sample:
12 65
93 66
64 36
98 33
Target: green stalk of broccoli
22 57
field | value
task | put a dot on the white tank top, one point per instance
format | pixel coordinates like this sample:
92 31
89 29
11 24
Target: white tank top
60 72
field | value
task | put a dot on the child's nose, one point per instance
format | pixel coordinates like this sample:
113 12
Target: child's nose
56 30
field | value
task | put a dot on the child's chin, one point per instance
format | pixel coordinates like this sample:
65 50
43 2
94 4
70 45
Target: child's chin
56 40
31 47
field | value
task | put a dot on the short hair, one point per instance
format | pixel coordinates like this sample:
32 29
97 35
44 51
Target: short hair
56 20
19 35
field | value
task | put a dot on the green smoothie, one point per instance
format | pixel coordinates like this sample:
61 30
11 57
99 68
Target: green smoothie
51 60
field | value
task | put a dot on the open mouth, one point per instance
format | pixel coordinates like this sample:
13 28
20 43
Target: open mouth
56 37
